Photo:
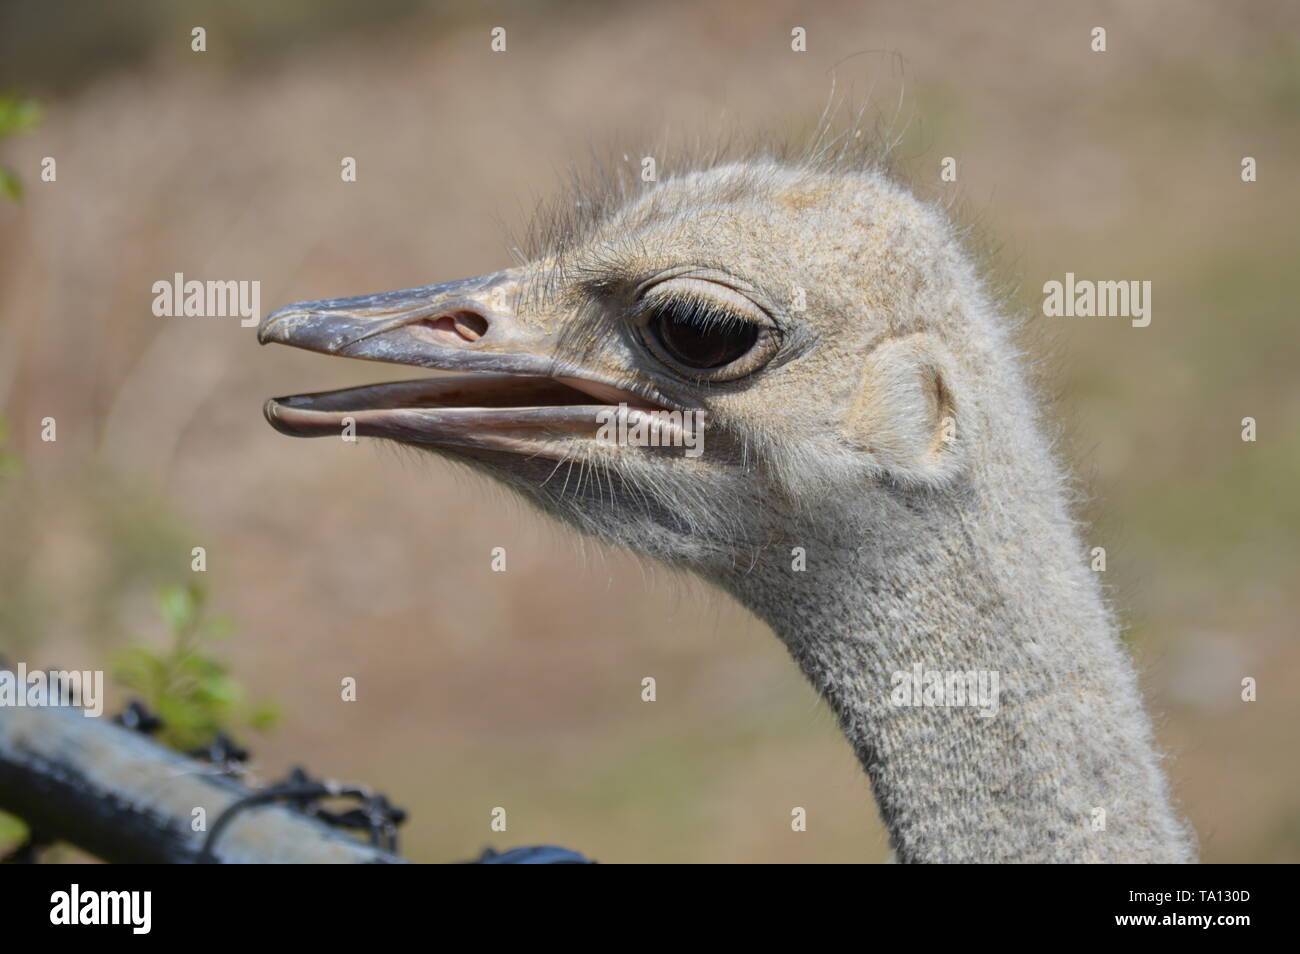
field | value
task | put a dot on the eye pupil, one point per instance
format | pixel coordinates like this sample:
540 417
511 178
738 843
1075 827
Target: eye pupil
701 340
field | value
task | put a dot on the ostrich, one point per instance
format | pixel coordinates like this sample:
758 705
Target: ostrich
875 482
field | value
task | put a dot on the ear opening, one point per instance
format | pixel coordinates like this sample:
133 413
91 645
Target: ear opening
904 412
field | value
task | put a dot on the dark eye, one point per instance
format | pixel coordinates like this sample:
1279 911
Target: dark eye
701 336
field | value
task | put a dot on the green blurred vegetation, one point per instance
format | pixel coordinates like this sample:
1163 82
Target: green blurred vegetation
10 465
17 114
13 832
109 545
187 688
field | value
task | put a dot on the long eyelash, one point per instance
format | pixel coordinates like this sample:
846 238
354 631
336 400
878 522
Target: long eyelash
696 310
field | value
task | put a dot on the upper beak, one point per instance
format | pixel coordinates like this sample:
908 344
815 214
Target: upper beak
462 325
528 401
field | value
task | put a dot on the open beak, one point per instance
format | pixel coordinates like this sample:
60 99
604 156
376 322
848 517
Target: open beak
518 395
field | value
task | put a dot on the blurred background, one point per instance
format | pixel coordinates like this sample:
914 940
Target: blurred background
478 689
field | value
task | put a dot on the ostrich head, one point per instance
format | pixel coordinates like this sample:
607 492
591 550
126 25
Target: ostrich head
800 316
862 399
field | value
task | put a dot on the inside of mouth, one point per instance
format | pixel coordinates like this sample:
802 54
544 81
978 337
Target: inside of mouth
476 391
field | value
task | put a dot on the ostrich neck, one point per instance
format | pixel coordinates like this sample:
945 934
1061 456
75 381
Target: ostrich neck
1052 760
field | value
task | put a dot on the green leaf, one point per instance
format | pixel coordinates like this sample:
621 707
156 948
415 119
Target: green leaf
218 692
140 670
180 605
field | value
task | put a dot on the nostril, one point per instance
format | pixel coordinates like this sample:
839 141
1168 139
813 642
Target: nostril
469 325
456 326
